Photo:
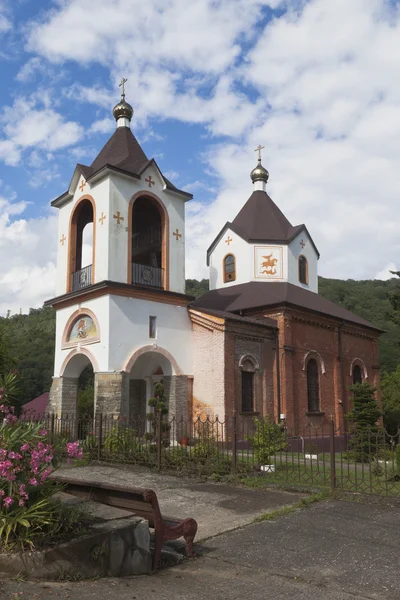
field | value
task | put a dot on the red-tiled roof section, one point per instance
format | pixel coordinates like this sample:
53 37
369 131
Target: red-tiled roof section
36 408
122 151
259 294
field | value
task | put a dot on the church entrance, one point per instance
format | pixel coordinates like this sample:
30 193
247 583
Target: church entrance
148 370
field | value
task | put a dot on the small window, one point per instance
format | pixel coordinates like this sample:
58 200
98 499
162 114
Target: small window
247 391
303 269
229 268
357 375
152 327
313 386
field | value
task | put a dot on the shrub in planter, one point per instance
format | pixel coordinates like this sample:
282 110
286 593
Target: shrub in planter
268 439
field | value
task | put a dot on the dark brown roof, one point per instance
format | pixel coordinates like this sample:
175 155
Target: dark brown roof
256 294
263 321
260 220
122 151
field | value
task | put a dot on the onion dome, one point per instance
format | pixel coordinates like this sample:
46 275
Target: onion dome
123 109
259 173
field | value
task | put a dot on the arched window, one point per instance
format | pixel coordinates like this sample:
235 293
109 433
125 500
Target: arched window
229 268
357 374
147 246
303 269
313 385
248 366
81 245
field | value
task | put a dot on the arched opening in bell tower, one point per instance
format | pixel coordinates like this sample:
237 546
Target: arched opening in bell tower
148 243
81 246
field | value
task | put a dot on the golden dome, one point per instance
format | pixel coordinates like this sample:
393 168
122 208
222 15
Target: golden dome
122 109
259 173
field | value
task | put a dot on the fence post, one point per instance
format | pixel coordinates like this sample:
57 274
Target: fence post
332 453
158 439
100 438
234 442
52 428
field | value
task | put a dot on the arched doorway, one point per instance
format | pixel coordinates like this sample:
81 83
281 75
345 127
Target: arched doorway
149 369
148 243
81 256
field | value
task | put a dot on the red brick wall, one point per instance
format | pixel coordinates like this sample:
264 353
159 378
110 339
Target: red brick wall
300 333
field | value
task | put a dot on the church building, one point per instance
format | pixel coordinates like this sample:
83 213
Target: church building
261 341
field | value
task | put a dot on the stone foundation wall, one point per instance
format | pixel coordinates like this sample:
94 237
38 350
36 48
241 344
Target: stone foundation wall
111 393
176 390
63 396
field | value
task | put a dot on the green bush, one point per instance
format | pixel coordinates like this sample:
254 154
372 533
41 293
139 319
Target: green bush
121 440
397 458
268 439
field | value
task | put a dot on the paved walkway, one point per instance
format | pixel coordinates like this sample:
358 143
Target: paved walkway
216 507
333 550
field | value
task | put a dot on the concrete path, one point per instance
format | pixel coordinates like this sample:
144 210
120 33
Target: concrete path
216 507
333 550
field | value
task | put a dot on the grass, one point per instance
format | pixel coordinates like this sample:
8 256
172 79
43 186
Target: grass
286 510
359 479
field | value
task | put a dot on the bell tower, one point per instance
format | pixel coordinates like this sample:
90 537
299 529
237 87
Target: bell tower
120 276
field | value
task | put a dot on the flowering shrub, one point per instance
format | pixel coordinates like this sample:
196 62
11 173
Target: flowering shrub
26 461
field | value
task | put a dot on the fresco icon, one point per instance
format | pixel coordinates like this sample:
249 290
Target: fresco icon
83 328
268 262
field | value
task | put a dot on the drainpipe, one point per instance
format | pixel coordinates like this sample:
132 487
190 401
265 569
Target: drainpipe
278 374
342 379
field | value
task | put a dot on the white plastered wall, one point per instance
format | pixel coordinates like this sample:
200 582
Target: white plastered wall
295 250
129 331
121 191
111 194
99 350
124 329
243 255
100 194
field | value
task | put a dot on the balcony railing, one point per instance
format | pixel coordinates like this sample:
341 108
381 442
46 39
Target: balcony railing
146 275
82 278
145 238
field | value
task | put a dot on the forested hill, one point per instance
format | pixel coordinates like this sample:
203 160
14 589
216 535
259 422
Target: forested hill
27 341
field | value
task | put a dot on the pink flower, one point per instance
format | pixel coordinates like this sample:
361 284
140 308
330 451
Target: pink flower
8 501
33 481
43 432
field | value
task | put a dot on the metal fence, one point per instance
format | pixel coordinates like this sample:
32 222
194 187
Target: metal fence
324 457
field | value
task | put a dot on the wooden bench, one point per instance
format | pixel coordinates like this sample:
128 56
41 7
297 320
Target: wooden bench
139 501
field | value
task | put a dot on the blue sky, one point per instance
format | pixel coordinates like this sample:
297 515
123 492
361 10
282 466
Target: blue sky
316 82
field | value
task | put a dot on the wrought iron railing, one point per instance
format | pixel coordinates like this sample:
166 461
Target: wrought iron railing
146 275
325 457
150 236
82 278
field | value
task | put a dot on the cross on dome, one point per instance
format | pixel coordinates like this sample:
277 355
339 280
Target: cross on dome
123 112
259 174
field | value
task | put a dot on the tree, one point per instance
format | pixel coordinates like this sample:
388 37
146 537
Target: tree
364 418
390 386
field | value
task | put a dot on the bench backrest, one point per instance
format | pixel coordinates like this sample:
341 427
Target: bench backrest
139 501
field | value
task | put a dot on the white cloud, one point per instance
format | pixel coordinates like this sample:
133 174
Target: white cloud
28 252
32 124
102 126
318 86
385 273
